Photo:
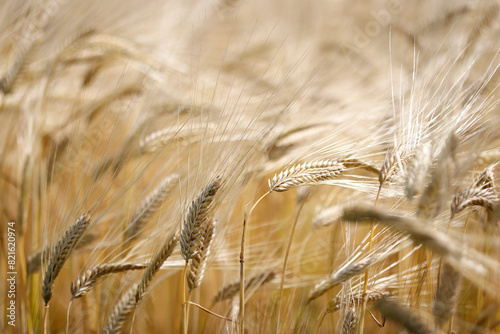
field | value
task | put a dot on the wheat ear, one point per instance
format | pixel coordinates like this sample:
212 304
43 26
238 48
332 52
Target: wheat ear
231 290
446 295
198 263
200 211
149 206
417 170
343 275
473 196
411 321
62 252
308 173
350 322
35 260
86 281
371 296
155 265
121 312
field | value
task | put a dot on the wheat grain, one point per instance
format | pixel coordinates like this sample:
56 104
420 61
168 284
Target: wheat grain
308 173
388 166
199 213
86 281
417 170
371 296
61 253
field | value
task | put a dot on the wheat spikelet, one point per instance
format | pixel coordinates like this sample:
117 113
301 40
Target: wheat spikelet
199 260
149 206
411 321
35 260
308 173
61 253
473 196
417 170
446 295
387 167
86 281
121 312
356 163
342 275
155 265
232 289
350 322
371 296
327 216
434 195
200 211
486 179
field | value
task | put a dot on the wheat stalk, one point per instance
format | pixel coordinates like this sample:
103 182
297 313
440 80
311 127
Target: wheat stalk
149 206
155 265
198 263
200 211
308 173
62 252
86 281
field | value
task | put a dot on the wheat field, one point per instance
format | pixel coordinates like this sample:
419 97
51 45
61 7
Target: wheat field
224 166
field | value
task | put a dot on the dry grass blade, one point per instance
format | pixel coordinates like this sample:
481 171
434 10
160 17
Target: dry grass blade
231 290
411 321
350 321
417 170
446 295
155 265
121 312
200 211
86 281
473 196
61 253
35 260
199 260
308 173
149 206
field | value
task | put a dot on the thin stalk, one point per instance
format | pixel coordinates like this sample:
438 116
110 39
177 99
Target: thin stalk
209 312
67 316
282 283
184 305
242 265
367 273
46 310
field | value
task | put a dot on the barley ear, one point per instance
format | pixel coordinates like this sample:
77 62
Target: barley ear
61 253
199 213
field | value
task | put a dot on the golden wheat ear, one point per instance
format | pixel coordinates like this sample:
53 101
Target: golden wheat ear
61 253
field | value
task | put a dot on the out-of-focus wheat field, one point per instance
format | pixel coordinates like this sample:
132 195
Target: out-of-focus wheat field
354 144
